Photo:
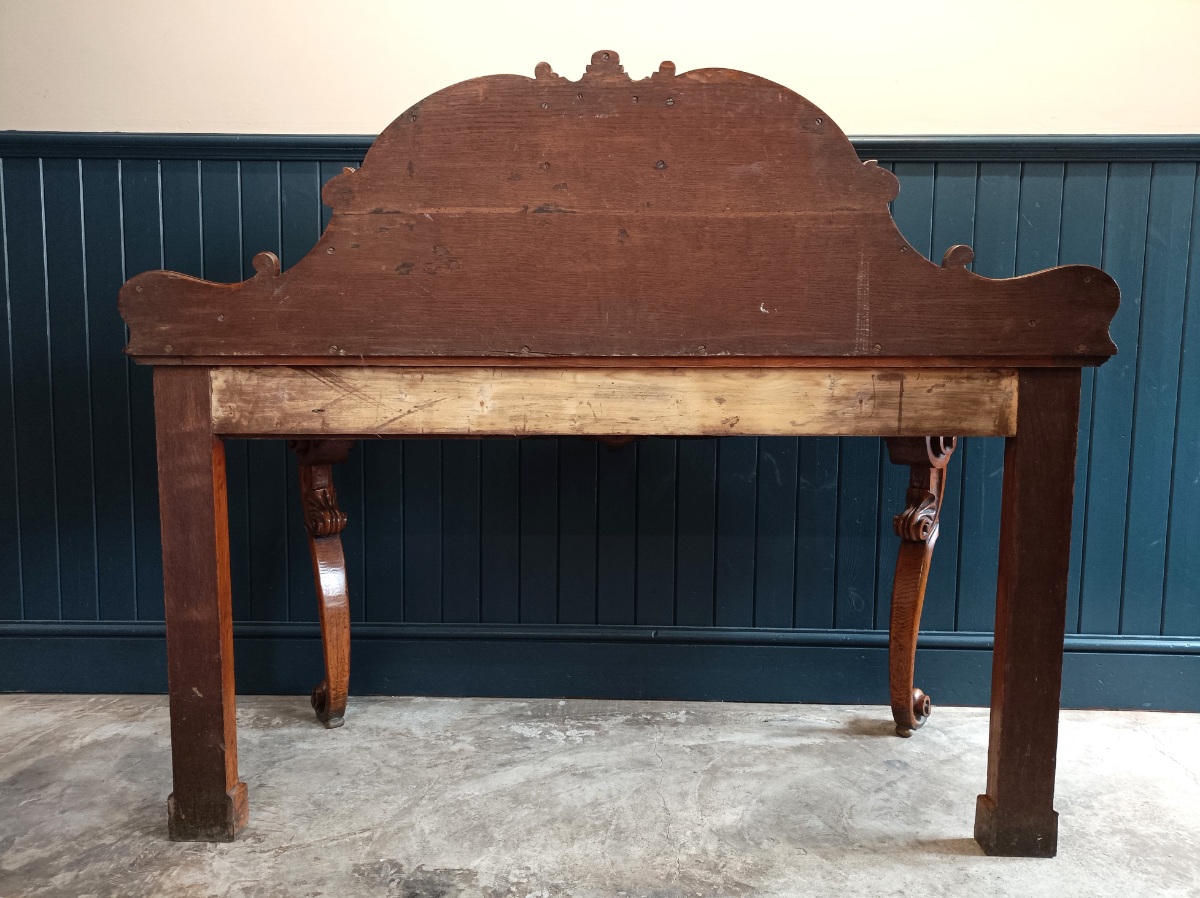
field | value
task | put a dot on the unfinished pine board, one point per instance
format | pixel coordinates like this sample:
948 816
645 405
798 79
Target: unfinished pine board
499 401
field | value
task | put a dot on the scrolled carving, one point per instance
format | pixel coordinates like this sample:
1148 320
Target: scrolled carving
322 517
917 527
918 522
890 183
959 256
266 264
933 452
543 72
325 521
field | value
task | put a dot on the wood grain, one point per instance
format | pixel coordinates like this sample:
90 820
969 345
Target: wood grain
917 526
1016 816
248 401
501 283
208 802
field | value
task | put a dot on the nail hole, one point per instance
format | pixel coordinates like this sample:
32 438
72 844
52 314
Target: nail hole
578 96
139 289
904 249
330 251
544 166
168 348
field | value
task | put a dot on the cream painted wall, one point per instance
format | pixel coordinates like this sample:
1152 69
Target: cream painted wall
299 66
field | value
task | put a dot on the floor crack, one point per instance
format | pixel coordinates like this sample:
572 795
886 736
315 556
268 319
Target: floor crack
662 772
1163 750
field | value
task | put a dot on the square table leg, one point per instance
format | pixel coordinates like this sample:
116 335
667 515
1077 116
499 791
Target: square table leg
208 802
1016 816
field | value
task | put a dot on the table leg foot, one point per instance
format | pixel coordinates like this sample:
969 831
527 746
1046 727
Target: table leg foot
1014 834
215 820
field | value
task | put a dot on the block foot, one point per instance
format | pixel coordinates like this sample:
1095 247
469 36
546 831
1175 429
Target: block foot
1014 835
208 821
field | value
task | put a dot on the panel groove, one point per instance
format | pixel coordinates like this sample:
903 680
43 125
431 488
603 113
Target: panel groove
14 557
50 383
1137 367
1190 287
87 345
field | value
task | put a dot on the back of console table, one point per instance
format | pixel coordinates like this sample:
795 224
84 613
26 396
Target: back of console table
688 254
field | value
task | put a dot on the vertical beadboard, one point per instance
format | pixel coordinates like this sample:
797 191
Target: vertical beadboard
743 532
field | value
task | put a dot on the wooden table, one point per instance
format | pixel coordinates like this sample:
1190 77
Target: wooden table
689 254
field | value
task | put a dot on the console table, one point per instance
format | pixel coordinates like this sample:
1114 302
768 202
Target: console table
689 254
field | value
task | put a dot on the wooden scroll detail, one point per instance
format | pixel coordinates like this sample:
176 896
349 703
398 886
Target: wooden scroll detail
917 527
700 214
325 521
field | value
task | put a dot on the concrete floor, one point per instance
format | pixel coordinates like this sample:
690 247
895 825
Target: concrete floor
440 798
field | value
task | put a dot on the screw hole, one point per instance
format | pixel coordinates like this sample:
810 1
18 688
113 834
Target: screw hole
820 121
545 105
635 99
578 96
660 164
670 101
544 166
605 57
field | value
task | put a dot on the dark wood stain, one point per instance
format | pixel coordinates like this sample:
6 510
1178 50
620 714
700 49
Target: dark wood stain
747 225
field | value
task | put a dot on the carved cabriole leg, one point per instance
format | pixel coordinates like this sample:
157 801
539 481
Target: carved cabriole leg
324 522
208 803
1016 816
917 527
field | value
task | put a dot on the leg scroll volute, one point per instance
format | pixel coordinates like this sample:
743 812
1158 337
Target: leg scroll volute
325 521
917 527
